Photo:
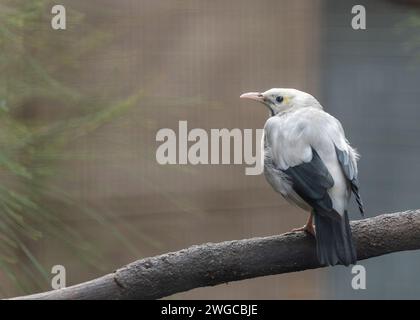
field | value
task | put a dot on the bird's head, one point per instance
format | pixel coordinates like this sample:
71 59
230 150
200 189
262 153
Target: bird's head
282 99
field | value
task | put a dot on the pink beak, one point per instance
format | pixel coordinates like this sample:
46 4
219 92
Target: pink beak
257 96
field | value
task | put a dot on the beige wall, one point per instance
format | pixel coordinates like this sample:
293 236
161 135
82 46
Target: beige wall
191 59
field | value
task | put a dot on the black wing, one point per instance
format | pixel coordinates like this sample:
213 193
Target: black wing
311 181
351 174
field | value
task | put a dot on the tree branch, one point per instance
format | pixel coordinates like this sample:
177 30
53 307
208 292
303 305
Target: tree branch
215 263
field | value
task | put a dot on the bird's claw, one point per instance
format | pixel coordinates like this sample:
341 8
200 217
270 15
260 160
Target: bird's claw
306 228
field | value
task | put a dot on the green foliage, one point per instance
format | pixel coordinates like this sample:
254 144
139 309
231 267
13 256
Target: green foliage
33 60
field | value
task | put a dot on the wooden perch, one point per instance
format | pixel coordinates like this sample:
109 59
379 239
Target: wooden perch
215 263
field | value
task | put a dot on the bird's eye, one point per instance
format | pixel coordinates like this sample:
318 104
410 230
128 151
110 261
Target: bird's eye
279 99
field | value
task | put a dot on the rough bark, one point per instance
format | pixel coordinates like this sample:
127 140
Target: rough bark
215 263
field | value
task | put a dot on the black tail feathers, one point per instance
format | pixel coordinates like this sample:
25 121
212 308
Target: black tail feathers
355 189
334 242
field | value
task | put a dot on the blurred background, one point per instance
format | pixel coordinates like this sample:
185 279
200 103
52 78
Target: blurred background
80 108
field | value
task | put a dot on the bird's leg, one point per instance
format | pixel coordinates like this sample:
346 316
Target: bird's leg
308 227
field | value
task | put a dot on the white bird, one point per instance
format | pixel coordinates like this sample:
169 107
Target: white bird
308 160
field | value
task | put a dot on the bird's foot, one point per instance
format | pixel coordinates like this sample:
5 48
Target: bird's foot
309 228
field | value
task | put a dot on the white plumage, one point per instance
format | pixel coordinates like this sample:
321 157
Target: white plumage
309 161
